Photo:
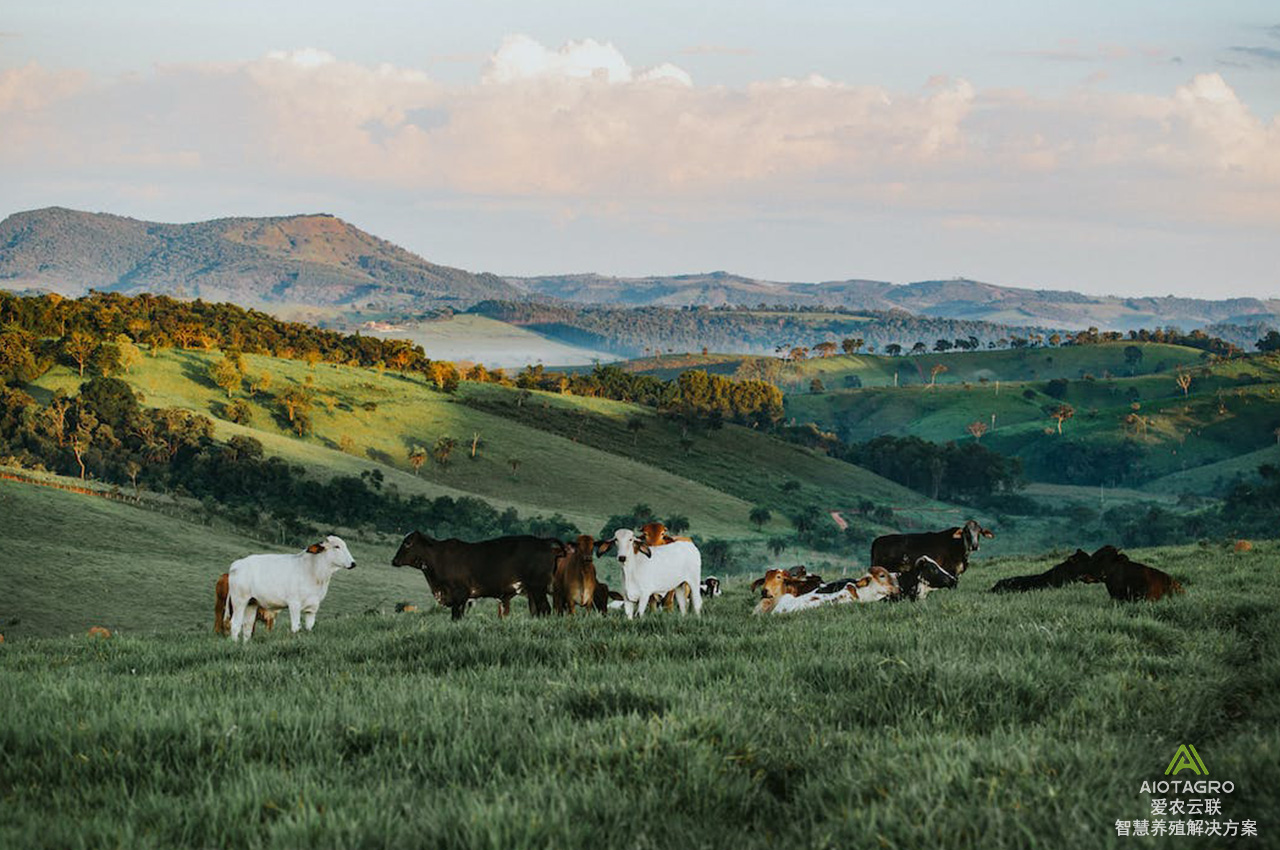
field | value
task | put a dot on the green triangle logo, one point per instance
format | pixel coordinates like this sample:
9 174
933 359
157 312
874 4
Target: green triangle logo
1186 758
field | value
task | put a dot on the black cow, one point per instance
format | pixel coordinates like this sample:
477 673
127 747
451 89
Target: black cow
500 568
950 548
924 576
1073 569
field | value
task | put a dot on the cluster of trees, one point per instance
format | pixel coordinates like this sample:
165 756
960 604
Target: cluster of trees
100 332
105 434
694 394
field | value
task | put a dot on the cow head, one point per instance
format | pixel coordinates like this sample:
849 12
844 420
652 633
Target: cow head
654 533
774 584
972 533
628 545
415 551
1078 567
877 584
334 552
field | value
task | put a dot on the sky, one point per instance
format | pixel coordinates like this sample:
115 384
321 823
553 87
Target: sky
1121 147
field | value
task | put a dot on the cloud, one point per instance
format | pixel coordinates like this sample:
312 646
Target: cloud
1269 55
578 131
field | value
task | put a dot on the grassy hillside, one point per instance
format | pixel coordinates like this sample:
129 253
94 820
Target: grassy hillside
969 720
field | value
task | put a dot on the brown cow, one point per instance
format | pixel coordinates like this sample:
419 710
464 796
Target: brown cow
573 583
1127 580
222 611
99 632
795 581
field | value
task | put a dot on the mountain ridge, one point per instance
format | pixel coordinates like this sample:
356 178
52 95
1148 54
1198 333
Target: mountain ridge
313 258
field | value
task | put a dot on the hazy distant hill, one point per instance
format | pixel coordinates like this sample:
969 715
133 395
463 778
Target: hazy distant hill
954 299
302 259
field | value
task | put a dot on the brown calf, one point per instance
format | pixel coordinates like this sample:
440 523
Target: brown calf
1127 580
222 611
573 584
795 581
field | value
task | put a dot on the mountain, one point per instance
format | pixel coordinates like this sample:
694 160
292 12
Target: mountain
951 299
300 259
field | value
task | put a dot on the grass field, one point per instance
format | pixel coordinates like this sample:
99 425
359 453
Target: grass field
968 720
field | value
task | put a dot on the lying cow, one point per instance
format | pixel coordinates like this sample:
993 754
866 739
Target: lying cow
222 616
649 570
298 582
1128 580
778 582
949 549
924 576
501 568
877 584
1073 569
573 584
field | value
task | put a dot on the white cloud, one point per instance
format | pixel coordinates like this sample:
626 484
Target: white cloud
578 128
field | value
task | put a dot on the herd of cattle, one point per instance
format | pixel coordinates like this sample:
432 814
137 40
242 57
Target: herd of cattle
658 570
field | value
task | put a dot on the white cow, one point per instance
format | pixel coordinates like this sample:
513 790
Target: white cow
788 603
648 570
297 582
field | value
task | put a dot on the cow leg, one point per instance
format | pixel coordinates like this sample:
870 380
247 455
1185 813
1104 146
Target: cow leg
458 607
695 595
629 608
248 614
295 617
682 598
504 606
311 618
539 606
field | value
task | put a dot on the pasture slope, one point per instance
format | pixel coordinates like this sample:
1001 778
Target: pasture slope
967 721
577 456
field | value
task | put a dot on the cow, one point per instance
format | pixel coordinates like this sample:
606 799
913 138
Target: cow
949 549
573 583
99 632
457 571
647 570
1075 568
1128 580
789 603
298 582
656 534
711 586
924 576
778 582
222 617
877 584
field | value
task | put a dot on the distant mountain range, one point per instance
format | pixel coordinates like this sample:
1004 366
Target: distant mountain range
320 260
952 299
300 259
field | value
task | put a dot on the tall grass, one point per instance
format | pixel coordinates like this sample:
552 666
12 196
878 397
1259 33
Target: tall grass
968 720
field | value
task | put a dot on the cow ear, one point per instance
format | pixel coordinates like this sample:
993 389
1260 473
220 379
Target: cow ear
315 548
958 533
643 549
988 533
603 546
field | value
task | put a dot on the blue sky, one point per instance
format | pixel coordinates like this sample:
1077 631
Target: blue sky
1109 147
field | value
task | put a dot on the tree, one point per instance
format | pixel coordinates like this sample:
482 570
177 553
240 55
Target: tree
634 424
476 443
225 374
1183 380
1061 414
938 369
417 457
760 515
129 354
777 545
798 353
977 428
816 386
296 401
443 449
825 348
1057 388
239 412
515 463
677 524
942 345
893 349
851 346
79 347
259 383
1269 343
919 348
311 357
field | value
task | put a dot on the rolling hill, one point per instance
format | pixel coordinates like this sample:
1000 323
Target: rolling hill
299 259
952 299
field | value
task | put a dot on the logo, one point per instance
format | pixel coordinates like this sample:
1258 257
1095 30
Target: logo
1186 758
